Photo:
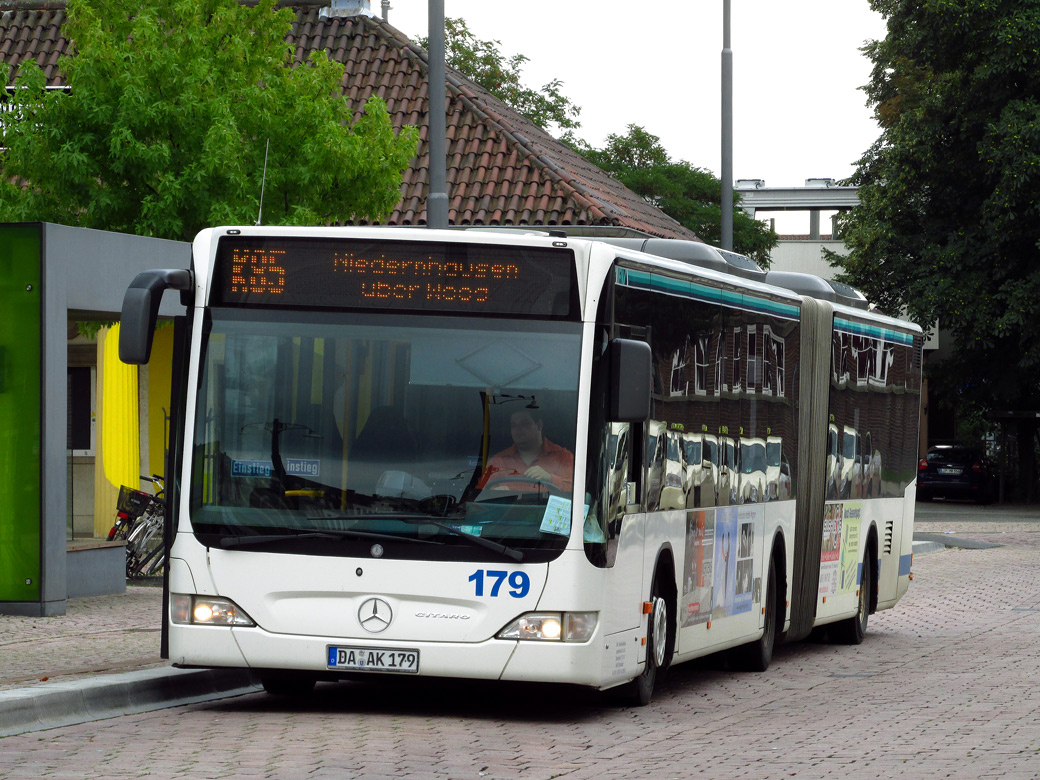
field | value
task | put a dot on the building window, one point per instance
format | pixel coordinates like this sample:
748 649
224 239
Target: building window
81 384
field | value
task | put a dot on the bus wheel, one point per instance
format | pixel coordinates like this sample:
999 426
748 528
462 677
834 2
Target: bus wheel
756 656
287 683
852 630
640 691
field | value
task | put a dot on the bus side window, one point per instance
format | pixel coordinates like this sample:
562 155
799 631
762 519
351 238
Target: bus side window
636 468
656 446
624 477
617 492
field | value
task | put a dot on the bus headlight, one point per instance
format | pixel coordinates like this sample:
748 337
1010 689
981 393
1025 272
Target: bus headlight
552 627
206 611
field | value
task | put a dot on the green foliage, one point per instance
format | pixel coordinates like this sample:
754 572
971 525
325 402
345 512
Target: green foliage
91 328
949 221
689 195
164 127
481 62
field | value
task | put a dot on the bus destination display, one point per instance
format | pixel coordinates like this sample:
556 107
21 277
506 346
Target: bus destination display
400 275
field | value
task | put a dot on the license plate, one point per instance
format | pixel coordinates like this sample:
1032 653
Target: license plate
372 659
951 472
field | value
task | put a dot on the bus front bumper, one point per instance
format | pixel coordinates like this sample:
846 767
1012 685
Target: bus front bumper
493 659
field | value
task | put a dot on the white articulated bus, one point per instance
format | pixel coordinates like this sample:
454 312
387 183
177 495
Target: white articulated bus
522 456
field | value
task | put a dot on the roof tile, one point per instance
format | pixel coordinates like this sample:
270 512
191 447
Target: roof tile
502 168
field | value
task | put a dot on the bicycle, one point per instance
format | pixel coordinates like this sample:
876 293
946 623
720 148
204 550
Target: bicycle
140 521
129 507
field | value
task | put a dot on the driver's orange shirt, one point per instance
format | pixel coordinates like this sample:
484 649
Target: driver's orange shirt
558 461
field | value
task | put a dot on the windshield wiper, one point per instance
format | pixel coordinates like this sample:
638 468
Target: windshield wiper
420 519
247 541
480 541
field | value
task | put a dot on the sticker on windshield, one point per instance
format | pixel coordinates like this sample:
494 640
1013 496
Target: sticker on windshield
302 467
592 533
557 516
297 467
251 468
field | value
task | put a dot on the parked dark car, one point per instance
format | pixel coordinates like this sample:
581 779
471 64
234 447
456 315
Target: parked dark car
955 472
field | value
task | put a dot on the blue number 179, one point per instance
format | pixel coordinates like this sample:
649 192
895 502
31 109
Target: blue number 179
519 582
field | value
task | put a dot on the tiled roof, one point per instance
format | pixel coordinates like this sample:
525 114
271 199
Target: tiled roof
502 169
32 31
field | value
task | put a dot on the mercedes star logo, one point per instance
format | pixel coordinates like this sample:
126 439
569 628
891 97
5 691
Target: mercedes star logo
375 615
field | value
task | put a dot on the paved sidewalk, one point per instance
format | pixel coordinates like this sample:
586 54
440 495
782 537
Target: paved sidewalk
100 659
98 635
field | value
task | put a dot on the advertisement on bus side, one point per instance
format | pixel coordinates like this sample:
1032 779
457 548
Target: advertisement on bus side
734 560
840 559
700 555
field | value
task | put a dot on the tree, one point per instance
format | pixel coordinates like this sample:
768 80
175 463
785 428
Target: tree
482 62
947 225
691 196
164 128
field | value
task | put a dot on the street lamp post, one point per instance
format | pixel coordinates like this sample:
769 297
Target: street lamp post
437 194
727 131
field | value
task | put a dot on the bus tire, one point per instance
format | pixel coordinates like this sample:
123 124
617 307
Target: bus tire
851 631
756 656
287 683
640 691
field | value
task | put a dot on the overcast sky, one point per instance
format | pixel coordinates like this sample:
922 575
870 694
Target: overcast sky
798 110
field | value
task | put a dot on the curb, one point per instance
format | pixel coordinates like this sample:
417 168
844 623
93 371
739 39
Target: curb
927 547
52 705
946 540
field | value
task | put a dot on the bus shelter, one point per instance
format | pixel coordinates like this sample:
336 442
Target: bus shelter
51 277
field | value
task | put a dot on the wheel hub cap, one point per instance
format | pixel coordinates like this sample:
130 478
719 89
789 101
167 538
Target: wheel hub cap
660 632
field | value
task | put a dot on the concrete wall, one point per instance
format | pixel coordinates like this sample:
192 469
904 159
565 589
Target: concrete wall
96 569
805 257
82 487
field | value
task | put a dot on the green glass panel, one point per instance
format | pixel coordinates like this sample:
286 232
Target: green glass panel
20 442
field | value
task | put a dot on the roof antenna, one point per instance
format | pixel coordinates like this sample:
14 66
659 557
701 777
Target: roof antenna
263 181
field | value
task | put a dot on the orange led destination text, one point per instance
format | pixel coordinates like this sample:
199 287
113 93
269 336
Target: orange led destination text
383 278
257 271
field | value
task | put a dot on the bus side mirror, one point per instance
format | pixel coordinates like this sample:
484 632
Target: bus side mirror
141 310
631 366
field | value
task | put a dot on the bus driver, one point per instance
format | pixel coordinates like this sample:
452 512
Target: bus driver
532 456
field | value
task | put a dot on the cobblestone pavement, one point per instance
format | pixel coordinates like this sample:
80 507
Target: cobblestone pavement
944 686
97 635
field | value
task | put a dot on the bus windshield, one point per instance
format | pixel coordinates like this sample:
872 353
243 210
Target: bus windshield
403 436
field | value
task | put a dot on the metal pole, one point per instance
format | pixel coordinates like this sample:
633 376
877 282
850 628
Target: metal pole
437 197
727 131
